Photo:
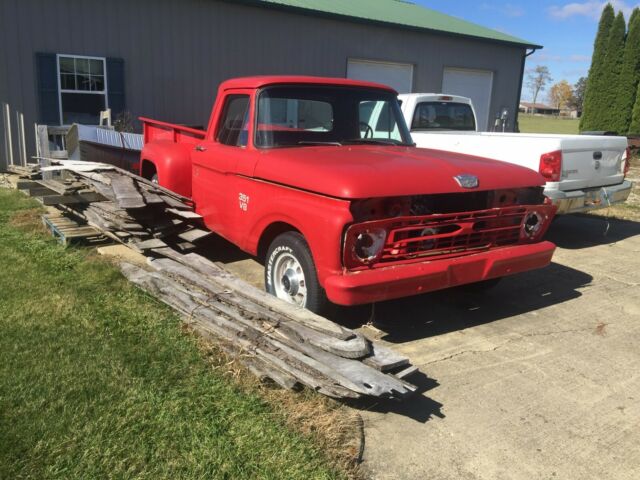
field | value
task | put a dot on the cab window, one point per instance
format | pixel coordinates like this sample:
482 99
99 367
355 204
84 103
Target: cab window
234 124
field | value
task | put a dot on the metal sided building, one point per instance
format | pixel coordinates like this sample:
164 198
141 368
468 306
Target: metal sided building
64 61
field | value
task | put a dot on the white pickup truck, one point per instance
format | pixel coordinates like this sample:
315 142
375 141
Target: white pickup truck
583 172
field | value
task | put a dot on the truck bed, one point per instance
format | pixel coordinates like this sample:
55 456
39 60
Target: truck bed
154 130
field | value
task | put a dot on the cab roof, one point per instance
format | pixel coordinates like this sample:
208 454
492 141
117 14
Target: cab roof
266 80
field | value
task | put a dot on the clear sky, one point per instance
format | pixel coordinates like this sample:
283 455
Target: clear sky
566 29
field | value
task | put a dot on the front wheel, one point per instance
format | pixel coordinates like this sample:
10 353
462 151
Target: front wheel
290 273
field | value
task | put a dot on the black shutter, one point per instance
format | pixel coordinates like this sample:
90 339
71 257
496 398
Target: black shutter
115 86
47 77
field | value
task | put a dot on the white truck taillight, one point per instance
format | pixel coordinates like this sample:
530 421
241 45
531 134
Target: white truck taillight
551 166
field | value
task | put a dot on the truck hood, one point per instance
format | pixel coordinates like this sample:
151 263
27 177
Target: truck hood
365 171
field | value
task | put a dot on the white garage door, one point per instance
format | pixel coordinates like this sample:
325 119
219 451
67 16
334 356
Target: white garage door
397 75
475 84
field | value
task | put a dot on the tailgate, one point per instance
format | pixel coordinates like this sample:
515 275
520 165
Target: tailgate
591 161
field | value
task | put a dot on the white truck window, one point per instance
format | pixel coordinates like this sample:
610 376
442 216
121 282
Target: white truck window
443 116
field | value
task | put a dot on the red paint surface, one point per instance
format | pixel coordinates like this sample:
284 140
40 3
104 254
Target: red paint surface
242 191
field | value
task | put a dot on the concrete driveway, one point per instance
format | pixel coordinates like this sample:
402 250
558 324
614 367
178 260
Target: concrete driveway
538 378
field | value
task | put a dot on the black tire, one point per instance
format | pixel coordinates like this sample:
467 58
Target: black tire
285 247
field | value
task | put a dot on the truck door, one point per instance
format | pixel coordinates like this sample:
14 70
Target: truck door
215 162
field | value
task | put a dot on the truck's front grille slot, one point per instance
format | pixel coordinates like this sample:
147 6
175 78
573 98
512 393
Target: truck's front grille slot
436 235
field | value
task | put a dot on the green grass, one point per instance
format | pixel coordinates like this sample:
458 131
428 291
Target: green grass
97 380
539 124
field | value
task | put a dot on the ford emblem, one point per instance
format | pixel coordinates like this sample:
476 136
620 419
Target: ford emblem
466 180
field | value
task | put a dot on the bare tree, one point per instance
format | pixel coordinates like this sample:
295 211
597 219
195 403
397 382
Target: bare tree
537 79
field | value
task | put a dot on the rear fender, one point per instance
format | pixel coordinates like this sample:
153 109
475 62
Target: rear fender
172 162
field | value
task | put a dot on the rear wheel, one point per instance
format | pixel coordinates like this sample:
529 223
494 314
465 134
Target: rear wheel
290 273
154 178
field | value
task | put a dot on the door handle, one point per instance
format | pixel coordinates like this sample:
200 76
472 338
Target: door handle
200 148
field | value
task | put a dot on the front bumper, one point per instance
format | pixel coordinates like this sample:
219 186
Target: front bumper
396 281
575 201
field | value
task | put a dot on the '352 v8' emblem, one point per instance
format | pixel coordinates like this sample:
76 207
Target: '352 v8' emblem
243 198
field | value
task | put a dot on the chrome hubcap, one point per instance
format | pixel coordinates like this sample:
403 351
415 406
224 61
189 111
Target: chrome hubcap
288 279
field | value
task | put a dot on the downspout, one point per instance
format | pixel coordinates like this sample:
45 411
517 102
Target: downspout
517 112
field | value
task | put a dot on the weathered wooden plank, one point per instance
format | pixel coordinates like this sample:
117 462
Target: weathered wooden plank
70 199
355 347
173 203
151 198
105 190
406 372
231 282
38 191
351 374
59 187
384 359
194 234
184 214
149 244
127 195
206 321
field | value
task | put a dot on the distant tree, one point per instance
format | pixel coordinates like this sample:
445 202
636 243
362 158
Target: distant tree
577 99
634 127
560 94
608 120
629 76
537 80
591 103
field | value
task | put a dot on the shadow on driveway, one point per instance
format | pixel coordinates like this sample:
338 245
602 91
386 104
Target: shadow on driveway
445 311
584 231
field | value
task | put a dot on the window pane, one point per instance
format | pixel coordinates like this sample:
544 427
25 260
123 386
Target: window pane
96 67
66 65
97 83
296 114
235 120
82 65
83 82
377 121
67 82
444 116
81 108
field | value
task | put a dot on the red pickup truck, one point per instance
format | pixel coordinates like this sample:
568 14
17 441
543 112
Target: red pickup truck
290 170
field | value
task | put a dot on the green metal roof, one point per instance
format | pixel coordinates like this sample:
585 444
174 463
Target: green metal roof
396 13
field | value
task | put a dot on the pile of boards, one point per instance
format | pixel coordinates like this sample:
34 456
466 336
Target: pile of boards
276 340
123 206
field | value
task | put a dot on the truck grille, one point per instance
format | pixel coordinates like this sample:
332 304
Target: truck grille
437 235
443 235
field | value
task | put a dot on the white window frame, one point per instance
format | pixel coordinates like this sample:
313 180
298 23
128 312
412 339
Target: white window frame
95 92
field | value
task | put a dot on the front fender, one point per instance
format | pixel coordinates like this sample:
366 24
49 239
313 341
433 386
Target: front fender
320 220
173 164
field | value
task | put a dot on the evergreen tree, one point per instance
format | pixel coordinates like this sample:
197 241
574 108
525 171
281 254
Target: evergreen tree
634 128
594 80
629 76
612 65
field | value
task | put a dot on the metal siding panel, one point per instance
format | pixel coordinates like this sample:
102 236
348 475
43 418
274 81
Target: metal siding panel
176 53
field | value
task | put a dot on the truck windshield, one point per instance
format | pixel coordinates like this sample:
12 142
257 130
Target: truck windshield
318 115
443 116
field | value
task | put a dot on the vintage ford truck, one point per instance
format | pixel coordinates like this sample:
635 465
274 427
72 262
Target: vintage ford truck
289 171
583 172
